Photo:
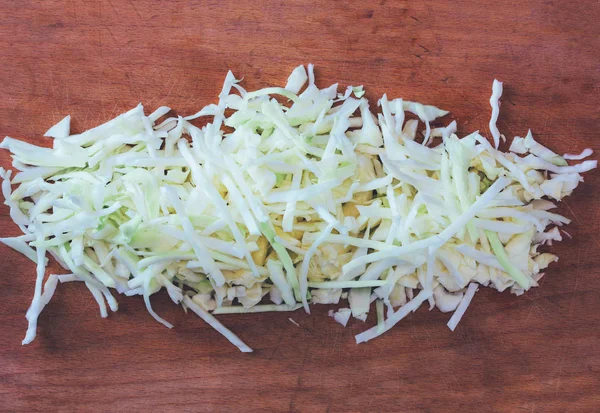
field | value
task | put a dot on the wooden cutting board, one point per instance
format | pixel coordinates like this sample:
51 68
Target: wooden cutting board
92 60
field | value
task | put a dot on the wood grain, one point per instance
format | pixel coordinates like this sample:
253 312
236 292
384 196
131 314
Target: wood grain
94 59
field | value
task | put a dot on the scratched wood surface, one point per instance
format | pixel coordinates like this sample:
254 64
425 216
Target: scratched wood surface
95 59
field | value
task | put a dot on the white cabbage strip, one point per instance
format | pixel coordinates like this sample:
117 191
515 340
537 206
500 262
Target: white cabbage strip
310 198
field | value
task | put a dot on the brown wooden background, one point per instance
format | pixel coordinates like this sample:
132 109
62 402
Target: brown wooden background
94 59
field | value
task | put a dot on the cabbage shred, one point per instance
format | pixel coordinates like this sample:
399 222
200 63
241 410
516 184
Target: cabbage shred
311 198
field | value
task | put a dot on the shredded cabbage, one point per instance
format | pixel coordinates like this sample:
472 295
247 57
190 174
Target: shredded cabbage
310 198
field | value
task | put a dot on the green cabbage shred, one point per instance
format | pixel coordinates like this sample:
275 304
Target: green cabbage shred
309 196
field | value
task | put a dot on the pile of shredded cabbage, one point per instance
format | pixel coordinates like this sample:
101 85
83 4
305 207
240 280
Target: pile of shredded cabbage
288 196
